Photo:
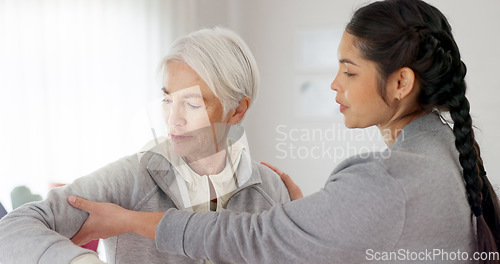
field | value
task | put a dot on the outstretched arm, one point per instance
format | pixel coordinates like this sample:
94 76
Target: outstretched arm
354 212
335 225
39 232
106 220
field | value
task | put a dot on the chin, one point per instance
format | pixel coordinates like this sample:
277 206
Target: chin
192 151
354 124
348 123
183 149
181 152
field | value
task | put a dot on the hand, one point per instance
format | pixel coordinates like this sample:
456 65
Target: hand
105 220
293 189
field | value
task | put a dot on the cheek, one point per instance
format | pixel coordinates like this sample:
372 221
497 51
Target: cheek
369 88
215 113
197 120
365 98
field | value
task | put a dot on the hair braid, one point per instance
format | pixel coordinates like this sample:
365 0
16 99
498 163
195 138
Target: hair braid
465 144
481 196
447 90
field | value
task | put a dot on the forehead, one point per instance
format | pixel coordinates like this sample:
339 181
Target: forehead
350 55
347 51
188 92
180 78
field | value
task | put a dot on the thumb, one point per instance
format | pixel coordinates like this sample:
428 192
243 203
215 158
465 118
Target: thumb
80 203
81 238
278 171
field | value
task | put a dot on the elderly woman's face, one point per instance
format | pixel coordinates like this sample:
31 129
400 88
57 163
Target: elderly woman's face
194 115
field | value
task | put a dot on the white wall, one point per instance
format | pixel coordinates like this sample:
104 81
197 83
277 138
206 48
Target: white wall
270 28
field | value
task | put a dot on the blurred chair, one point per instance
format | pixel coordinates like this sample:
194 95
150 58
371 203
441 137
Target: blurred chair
21 195
3 212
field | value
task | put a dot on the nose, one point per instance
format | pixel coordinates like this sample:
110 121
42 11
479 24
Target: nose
175 115
335 86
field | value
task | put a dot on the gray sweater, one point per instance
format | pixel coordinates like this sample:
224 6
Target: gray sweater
403 204
38 232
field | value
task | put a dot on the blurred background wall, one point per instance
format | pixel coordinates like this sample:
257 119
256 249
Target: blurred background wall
75 76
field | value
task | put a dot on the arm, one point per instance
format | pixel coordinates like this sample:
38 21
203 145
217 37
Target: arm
358 210
107 220
39 232
29 234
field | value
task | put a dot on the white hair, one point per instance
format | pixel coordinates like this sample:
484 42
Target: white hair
222 59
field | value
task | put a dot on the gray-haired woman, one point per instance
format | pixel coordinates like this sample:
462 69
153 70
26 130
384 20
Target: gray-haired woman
210 81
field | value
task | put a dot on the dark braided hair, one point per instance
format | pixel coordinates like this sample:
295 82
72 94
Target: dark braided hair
411 33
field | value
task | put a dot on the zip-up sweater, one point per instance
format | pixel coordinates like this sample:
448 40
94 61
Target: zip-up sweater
39 232
407 204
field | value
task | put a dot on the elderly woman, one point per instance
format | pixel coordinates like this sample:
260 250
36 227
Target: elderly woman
426 199
210 80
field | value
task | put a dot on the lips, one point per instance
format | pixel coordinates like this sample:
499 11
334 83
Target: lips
342 107
179 138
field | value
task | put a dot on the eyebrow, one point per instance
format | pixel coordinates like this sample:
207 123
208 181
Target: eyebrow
189 95
347 61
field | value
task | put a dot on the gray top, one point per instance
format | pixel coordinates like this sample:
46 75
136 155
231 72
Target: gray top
38 232
408 202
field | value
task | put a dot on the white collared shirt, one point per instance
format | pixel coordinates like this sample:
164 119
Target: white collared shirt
198 186
192 189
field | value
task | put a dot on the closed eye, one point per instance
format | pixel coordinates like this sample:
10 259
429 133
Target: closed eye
348 74
194 106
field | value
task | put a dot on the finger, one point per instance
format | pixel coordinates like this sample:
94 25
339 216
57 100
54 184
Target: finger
287 180
293 189
278 171
80 203
80 239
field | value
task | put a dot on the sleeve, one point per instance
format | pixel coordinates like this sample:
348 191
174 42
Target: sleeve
273 185
360 208
284 196
281 191
39 232
87 259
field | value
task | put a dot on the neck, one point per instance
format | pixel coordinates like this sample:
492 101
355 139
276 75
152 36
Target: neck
391 129
209 165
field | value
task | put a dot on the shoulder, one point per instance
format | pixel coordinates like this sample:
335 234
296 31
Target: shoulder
409 171
122 167
394 162
366 182
371 174
271 183
370 163
112 179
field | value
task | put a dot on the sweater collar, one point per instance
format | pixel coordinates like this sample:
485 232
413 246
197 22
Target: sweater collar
432 121
154 157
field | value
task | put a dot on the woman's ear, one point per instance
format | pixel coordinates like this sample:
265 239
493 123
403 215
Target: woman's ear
405 79
240 111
